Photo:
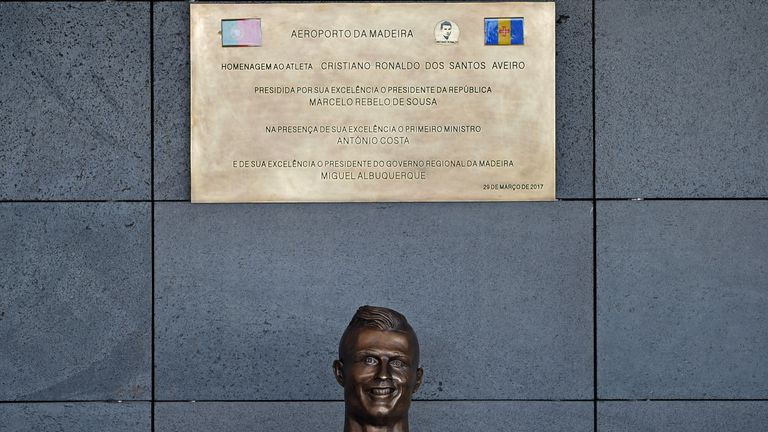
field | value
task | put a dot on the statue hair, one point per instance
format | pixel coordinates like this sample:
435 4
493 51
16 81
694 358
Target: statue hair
380 318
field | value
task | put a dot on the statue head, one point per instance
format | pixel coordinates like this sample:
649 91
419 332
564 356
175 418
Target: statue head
378 367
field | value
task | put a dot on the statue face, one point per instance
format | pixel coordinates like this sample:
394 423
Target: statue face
379 371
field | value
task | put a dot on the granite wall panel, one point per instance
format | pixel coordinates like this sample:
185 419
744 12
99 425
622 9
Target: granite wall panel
75 301
74 101
171 57
683 416
329 416
75 417
251 300
681 300
681 99
574 98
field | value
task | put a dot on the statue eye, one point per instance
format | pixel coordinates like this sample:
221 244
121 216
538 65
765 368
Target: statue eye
397 363
370 361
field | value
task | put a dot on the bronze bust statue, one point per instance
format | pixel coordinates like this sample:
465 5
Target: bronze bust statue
378 367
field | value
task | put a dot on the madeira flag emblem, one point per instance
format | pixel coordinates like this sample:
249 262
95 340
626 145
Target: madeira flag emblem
504 31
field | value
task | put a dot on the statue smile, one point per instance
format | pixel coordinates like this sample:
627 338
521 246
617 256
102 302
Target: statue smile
381 391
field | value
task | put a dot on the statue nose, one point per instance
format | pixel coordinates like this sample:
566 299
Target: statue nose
383 372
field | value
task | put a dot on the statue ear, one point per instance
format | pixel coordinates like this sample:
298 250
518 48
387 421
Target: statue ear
338 367
419 378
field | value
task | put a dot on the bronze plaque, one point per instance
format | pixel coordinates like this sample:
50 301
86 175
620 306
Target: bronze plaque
342 102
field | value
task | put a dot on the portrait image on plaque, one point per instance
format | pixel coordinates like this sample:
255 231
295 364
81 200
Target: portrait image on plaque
447 31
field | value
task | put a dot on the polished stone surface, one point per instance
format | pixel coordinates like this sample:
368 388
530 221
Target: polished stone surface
74 101
681 99
75 417
251 300
682 299
329 416
75 301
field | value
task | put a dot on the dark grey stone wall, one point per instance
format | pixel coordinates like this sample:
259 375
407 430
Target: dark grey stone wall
642 308
75 417
503 416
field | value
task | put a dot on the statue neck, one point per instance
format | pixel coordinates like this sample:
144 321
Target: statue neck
353 425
